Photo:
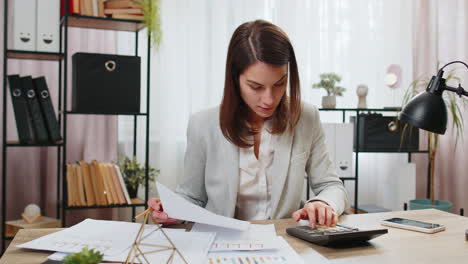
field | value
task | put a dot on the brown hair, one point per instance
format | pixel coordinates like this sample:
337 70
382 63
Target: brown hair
251 42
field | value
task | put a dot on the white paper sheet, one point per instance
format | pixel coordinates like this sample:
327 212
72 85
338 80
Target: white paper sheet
114 238
194 253
109 237
241 245
179 208
257 237
284 254
254 232
58 256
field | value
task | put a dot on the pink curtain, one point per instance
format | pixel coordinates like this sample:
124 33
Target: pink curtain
440 31
32 172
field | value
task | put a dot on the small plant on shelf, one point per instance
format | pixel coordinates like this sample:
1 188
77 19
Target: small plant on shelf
328 81
134 174
152 20
85 256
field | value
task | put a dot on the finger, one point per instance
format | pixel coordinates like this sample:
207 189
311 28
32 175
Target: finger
311 214
297 215
160 215
321 215
335 219
154 203
329 217
302 214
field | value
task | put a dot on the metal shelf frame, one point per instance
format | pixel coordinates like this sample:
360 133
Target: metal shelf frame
67 21
357 111
72 20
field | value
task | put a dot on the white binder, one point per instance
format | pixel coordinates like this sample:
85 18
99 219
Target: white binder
344 139
23 33
48 25
339 141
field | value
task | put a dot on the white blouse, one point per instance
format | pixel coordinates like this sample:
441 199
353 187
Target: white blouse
254 195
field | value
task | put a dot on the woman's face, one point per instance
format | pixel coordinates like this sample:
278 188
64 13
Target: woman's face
261 87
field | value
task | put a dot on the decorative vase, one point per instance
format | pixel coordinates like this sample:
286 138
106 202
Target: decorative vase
426 204
132 192
361 92
329 101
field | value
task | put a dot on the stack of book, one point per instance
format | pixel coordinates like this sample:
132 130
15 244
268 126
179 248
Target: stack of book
84 7
120 9
95 183
124 9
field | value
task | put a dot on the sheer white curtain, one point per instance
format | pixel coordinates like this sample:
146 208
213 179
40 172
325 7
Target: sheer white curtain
356 39
441 36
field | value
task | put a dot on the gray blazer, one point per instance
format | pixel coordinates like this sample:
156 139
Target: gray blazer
211 173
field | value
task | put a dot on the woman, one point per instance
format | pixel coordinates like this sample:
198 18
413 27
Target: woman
247 158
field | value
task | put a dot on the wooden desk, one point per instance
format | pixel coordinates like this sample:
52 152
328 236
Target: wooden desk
398 246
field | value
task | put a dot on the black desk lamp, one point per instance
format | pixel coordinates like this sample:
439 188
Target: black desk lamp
427 110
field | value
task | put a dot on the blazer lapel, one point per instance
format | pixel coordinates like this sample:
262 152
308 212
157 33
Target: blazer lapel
280 167
230 169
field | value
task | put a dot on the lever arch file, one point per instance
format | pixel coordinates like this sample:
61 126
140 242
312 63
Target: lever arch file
48 23
20 109
47 108
34 110
24 25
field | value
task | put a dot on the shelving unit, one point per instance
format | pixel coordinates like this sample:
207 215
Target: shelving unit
21 55
68 21
78 21
357 111
33 55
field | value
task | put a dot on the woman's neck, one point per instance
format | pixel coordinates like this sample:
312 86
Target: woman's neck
255 121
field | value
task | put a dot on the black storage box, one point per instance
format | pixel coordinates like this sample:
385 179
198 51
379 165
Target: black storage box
104 83
384 133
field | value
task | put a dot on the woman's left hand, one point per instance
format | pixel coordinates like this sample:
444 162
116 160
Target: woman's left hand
317 212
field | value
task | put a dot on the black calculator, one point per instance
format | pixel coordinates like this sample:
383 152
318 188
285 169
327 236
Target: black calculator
339 236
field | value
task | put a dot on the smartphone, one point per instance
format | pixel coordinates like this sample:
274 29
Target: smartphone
413 225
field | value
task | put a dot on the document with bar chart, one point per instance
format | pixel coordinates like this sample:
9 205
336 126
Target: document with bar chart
220 245
282 254
250 260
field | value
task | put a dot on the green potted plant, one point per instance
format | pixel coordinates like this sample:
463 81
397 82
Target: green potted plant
328 82
85 256
134 174
454 110
152 20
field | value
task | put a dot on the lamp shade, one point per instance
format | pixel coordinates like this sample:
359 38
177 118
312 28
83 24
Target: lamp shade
426 111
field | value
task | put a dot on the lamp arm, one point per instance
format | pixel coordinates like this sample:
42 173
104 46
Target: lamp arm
441 69
460 91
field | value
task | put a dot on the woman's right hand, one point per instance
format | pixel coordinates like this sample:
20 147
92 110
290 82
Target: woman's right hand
158 214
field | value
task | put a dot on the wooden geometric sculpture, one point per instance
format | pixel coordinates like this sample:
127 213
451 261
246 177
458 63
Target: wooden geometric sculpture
136 252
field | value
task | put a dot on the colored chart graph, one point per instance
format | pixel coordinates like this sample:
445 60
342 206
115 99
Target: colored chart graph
249 260
237 245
